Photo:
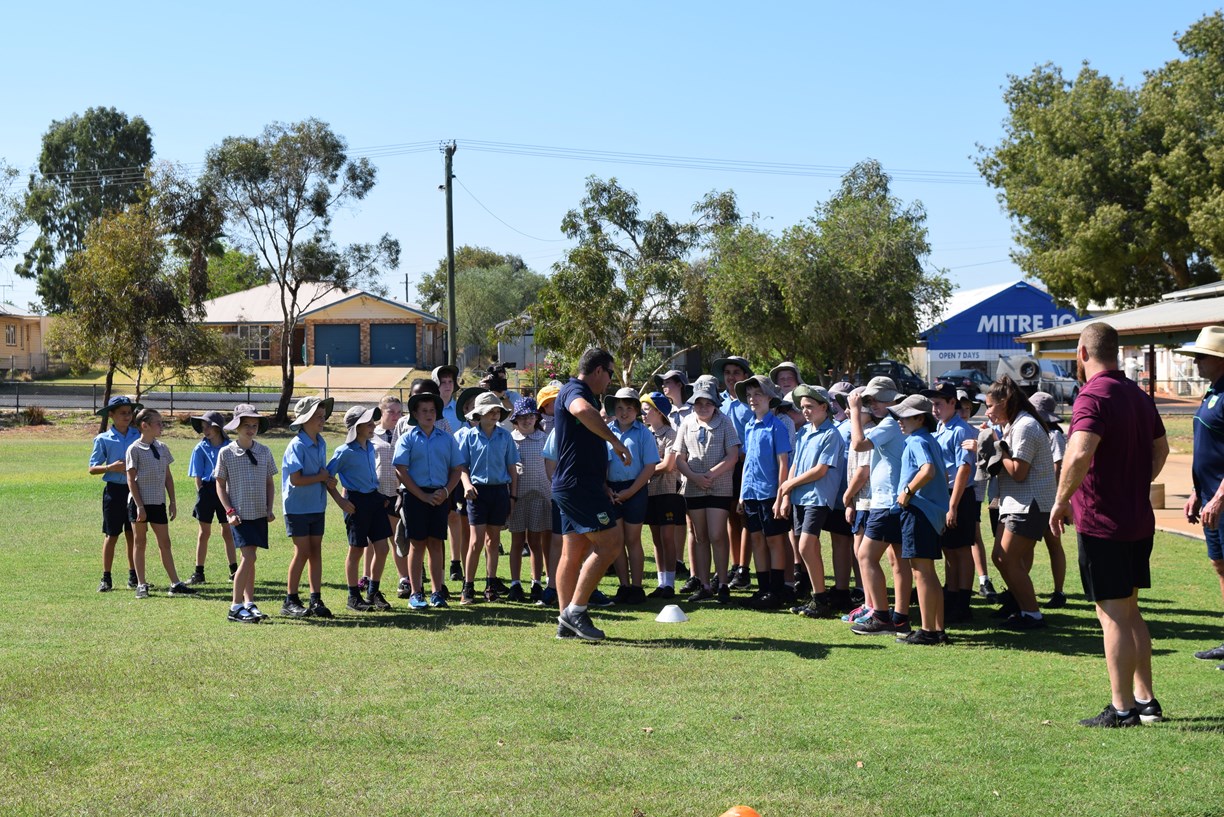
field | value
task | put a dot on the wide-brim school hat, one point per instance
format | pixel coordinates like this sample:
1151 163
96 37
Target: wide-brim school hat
658 401
360 415
1210 342
436 374
962 396
469 393
623 393
307 406
882 389
840 392
707 389
212 418
1044 403
764 383
246 410
488 401
718 366
783 366
523 407
912 406
817 393
424 396
548 394
686 388
118 402
944 390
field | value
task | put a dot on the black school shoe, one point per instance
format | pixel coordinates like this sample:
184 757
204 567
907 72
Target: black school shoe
1021 623
1213 654
1150 712
196 578
691 585
1111 718
516 593
456 572
682 571
741 580
663 593
1056 601
925 638
378 601
702 594
319 610
293 608
358 604
105 585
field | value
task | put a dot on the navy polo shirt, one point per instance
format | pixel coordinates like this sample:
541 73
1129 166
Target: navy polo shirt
1207 467
582 455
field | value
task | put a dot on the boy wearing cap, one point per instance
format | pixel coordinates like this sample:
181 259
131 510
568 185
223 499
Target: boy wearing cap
355 465
246 486
305 485
964 511
766 460
730 371
202 466
811 488
665 509
107 459
151 499
530 521
490 485
627 487
428 465
883 533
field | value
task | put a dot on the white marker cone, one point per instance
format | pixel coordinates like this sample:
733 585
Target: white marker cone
671 614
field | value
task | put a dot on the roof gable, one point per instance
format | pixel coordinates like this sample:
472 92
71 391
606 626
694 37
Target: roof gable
262 304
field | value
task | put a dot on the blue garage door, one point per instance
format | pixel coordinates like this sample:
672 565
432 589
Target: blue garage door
393 344
342 342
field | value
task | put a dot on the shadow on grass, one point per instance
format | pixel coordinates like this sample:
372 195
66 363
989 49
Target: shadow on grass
1209 724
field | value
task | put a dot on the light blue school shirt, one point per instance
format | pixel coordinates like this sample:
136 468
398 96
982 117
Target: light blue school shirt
949 438
488 458
356 467
764 440
109 446
451 415
308 458
739 413
931 499
203 463
888 441
550 446
429 458
822 445
641 444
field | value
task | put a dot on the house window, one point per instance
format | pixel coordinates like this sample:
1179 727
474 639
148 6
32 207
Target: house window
10 334
256 341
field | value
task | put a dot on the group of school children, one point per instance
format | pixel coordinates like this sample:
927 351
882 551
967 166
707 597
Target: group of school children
746 476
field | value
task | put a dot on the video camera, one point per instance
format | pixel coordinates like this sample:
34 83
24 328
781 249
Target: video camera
495 377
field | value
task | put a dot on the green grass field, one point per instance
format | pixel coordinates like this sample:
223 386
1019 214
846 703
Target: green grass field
110 705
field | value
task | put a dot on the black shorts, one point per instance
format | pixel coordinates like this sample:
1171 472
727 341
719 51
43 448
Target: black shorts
701 503
666 509
114 509
251 533
208 507
456 502
633 510
919 539
424 521
490 507
737 482
584 511
1113 570
859 525
883 526
968 514
811 519
836 523
368 522
305 524
154 514
760 518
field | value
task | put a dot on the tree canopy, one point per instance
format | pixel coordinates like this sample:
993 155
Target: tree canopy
280 191
91 164
487 296
13 217
431 292
1117 192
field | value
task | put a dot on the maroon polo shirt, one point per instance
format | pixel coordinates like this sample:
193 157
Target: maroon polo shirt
1113 502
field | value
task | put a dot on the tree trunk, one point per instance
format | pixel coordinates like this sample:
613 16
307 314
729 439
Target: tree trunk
1179 269
287 375
106 393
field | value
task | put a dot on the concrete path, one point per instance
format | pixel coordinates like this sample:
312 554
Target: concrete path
1178 484
351 377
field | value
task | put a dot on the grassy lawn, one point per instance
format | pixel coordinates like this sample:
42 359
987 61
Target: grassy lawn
110 705
260 376
1180 431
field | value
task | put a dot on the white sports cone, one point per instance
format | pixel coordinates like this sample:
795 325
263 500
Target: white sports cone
671 614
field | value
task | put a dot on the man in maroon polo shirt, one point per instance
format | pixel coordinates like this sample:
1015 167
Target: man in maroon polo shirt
1116 448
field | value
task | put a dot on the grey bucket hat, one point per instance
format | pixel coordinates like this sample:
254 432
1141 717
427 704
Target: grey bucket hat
487 401
623 393
306 407
359 415
1043 402
764 383
882 389
246 410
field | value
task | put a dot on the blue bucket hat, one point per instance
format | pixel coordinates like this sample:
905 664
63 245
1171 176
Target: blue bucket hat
117 402
658 400
524 406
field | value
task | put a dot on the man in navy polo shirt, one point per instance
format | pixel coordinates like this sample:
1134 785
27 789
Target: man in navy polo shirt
591 539
1207 468
1116 448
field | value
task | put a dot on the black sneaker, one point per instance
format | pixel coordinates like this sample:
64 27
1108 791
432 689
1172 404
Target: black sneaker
724 594
691 585
468 594
622 594
987 591
902 627
663 593
537 593
233 573
490 593
500 586
242 616
516 594
456 572
741 580
196 577
580 625
1056 601
1213 654
635 594
770 600
132 583
444 592
105 586
564 632
814 609
702 594
1021 622
682 571
358 604
1150 712
874 626
857 597
320 610
142 591
294 609
180 589
599 599
922 637
404 589
1111 718
378 601
1007 605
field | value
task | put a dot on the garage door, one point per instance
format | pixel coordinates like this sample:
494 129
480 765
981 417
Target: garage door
393 344
340 342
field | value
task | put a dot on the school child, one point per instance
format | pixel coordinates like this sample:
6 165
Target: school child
964 511
207 506
456 523
151 499
922 497
365 515
246 486
810 490
730 371
785 377
674 384
627 486
841 536
665 510
490 485
1043 402
305 485
530 521
385 437
446 378
767 457
791 418
857 499
428 465
707 452
458 520
981 492
546 399
108 459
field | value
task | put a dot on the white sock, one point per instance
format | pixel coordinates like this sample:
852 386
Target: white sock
1035 614
514 582
248 604
235 608
983 579
575 608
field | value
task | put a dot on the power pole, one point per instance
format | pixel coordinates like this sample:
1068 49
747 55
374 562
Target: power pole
407 290
452 325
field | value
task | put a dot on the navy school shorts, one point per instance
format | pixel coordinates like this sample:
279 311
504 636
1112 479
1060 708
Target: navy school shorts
422 520
208 507
368 522
251 533
633 510
114 509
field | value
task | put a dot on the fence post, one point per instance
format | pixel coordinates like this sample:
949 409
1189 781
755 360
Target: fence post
94 392
248 388
17 389
172 398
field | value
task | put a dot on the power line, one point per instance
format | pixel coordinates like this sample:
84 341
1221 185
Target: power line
499 218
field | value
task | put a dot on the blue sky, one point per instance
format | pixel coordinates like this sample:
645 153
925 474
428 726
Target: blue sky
915 86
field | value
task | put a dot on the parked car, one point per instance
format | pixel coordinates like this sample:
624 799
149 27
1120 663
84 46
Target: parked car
971 380
907 382
1040 374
